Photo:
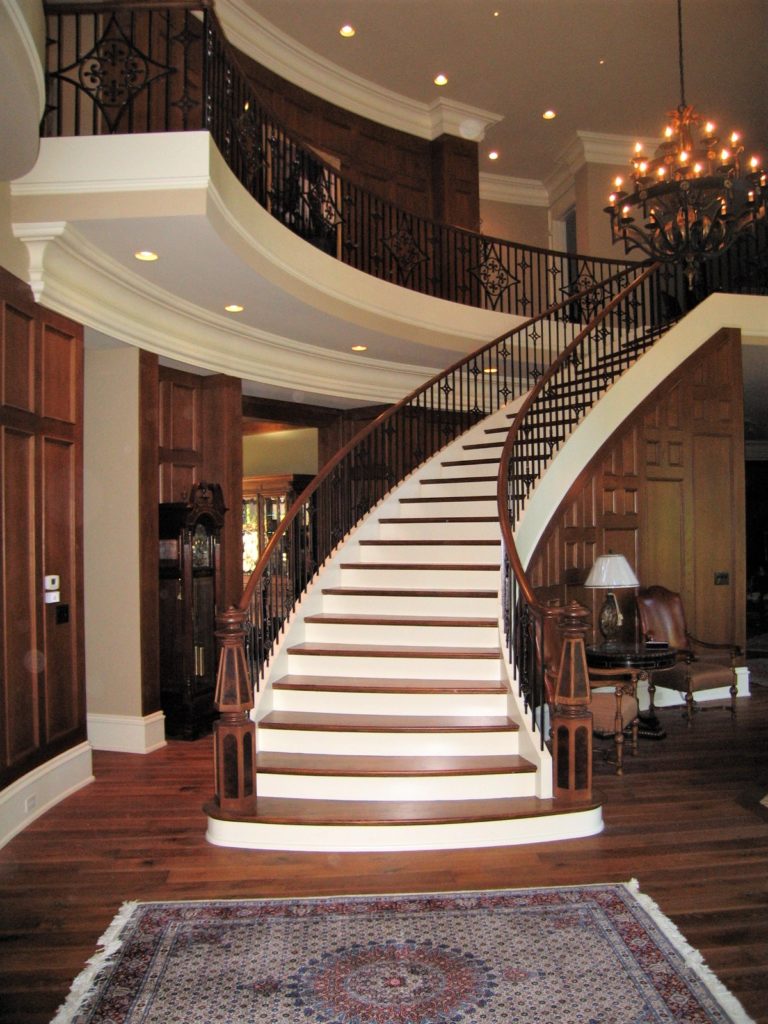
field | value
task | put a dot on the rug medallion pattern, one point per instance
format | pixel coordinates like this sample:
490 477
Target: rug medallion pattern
582 955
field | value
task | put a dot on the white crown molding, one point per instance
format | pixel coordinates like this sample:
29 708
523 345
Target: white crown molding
78 280
267 45
500 188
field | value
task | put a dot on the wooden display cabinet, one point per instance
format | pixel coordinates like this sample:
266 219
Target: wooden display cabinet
190 589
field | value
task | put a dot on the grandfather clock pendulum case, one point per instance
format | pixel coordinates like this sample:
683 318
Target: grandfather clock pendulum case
190 589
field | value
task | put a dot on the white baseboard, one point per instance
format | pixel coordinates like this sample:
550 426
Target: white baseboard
127 734
39 790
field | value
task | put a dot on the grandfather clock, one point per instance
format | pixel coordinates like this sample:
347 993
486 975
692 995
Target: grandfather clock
190 590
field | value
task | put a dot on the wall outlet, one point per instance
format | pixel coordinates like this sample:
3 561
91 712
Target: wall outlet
722 579
30 804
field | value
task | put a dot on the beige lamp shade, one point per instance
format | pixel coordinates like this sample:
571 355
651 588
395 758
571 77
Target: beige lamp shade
611 572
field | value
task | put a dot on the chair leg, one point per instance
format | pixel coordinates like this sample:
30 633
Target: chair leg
689 707
618 739
651 695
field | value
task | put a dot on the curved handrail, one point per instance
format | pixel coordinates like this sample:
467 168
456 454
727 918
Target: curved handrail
594 350
402 437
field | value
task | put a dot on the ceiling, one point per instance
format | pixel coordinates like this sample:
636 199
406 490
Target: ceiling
605 66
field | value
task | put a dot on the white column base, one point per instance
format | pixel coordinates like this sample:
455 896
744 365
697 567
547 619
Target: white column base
127 734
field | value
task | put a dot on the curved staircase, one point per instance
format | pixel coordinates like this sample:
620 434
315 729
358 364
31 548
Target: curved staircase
387 720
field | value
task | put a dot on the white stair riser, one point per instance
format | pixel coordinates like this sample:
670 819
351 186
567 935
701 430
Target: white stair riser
411 604
360 703
429 554
439 530
466 787
387 744
400 635
471 468
451 489
436 668
481 507
449 578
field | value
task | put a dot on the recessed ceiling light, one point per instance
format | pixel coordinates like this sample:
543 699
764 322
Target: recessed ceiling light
493 155
347 31
440 80
233 307
491 369
146 256
359 348
549 115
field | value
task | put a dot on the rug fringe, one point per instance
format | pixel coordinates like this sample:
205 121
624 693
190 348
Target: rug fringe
692 957
84 983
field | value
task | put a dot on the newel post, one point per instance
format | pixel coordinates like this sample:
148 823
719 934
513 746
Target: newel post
571 717
234 734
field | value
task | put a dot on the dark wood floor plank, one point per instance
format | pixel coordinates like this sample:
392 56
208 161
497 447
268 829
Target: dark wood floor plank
685 820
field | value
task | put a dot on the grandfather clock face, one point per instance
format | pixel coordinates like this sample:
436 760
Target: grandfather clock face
201 548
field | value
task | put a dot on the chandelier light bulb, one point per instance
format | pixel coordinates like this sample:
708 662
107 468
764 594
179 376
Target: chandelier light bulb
725 155
618 182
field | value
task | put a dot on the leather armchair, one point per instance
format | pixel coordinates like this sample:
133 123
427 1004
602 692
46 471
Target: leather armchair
700 665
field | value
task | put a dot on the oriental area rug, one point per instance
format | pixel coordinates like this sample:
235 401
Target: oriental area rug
597 954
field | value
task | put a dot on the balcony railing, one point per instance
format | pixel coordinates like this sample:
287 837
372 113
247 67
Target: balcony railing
166 67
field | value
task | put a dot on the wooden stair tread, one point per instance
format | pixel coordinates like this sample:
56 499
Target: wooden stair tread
479 445
317 721
430 542
342 618
285 811
439 519
452 498
459 480
471 462
394 651
406 592
390 767
355 684
433 566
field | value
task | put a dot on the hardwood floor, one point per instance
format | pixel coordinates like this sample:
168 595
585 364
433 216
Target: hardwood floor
685 820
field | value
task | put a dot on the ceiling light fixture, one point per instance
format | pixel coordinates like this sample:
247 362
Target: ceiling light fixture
493 155
234 307
359 348
347 31
440 80
146 256
549 115
694 195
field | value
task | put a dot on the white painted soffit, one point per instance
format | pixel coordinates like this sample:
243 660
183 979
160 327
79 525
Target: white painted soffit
86 199
267 45
22 84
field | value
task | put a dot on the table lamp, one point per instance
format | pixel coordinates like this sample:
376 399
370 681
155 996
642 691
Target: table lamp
611 572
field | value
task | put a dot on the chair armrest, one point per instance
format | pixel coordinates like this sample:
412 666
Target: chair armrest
733 649
626 678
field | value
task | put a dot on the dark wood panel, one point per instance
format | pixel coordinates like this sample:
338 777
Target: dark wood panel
64 682
17 359
60 361
42 684
684 819
22 650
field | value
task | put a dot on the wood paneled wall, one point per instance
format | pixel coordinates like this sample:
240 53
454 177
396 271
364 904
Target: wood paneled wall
42 683
666 491
438 179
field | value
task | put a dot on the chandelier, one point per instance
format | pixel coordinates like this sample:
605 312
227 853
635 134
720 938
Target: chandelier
694 197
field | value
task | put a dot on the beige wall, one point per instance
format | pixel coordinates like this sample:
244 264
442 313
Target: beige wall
285 451
594 183
515 223
13 253
111 513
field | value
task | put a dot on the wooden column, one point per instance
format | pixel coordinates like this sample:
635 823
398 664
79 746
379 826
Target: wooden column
234 734
571 717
